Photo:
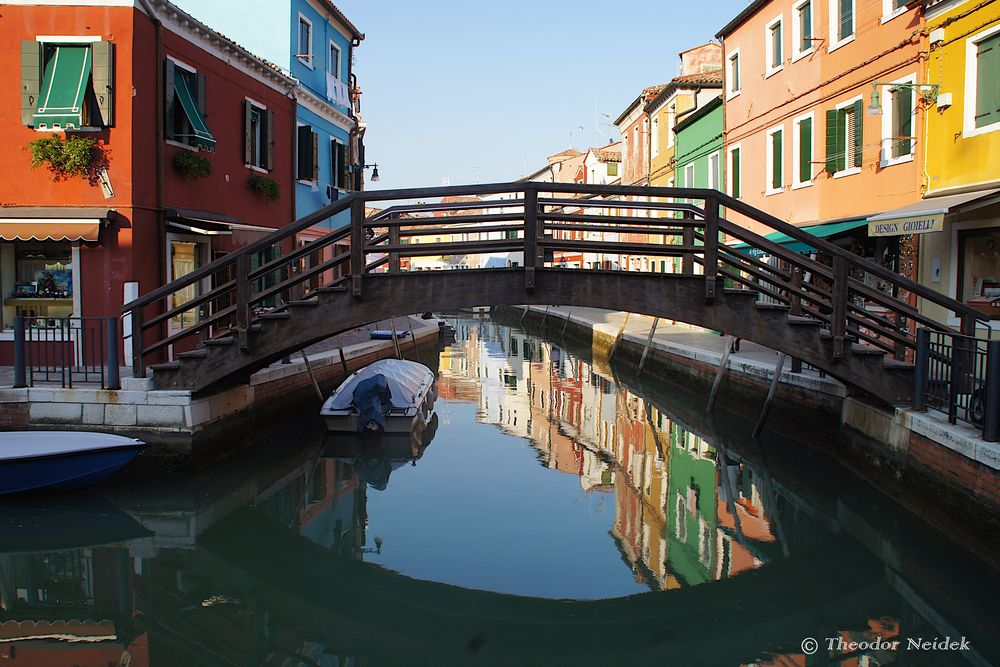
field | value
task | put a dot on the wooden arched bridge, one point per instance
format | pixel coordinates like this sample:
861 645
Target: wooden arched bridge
306 282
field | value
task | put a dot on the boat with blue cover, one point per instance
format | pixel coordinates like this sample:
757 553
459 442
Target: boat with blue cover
387 396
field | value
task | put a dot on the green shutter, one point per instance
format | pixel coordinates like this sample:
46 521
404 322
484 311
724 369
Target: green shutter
202 96
304 153
104 82
202 136
269 141
988 81
832 140
857 111
248 132
31 79
777 162
65 85
170 99
805 150
902 121
735 172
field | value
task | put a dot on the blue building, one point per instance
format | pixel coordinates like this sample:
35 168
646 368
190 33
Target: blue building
314 41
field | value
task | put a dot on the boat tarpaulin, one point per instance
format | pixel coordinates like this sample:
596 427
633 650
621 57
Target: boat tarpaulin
371 397
405 378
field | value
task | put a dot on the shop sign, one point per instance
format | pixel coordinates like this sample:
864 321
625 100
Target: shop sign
917 224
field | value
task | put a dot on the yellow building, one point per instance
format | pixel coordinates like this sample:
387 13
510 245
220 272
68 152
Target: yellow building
959 218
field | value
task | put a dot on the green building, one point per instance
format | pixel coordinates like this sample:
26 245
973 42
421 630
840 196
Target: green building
699 161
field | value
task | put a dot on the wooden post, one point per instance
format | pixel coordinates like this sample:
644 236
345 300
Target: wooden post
545 316
413 339
312 376
711 254
395 338
20 359
395 266
566 323
343 359
921 369
796 293
649 343
243 301
838 325
723 365
687 259
991 393
530 237
357 245
618 338
770 395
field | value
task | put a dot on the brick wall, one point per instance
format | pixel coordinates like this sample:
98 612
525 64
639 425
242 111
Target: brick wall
954 470
13 416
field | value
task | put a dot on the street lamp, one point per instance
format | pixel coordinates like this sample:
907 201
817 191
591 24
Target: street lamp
928 92
360 167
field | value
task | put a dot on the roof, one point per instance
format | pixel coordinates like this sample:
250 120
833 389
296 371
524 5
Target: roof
647 94
339 15
609 153
566 154
741 18
711 79
697 114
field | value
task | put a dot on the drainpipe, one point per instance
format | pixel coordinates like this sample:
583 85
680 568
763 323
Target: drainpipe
357 138
295 143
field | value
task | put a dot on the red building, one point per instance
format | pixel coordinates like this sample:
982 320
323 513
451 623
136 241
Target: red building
192 157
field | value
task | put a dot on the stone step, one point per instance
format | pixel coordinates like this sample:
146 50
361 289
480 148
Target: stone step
200 353
796 320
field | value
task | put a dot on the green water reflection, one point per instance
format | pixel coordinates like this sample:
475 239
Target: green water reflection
561 510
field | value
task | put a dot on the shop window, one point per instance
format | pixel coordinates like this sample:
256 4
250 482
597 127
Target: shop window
37 280
67 86
979 268
258 136
185 257
185 107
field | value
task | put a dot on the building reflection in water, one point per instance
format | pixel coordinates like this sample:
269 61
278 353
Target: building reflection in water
678 520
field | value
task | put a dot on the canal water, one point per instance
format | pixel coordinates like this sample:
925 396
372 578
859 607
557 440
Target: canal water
560 509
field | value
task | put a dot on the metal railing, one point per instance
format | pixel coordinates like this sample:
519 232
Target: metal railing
959 375
66 350
854 299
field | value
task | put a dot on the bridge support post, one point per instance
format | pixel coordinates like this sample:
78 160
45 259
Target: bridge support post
723 365
770 395
687 259
530 237
649 342
921 369
711 254
991 393
838 325
395 266
357 245
243 301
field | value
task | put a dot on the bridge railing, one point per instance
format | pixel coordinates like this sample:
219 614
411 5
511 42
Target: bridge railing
539 226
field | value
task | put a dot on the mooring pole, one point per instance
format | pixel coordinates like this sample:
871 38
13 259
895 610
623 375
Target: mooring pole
649 343
618 338
770 395
723 365
312 376
569 316
343 359
395 338
545 316
416 351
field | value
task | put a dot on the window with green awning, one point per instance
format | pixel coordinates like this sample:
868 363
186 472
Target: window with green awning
185 112
66 86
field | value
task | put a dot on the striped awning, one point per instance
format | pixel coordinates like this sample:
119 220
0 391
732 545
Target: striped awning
50 224
64 88
203 137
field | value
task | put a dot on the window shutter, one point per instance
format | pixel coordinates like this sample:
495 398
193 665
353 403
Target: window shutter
315 157
805 150
269 141
846 19
342 166
832 140
902 109
735 172
334 173
857 111
248 133
777 178
31 79
202 97
170 98
103 76
988 81
304 152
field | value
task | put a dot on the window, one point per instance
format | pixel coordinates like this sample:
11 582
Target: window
841 23
982 87
334 65
655 138
185 257
67 85
338 166
688 175
305 48
892 8
844 138
185 102
803 151
735 176
733 82
898 109
258 136
775 161
37 280
979 266
308 154
612 168
773 48
714 171
802 29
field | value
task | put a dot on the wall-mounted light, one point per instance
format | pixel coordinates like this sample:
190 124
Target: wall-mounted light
928 93
374 167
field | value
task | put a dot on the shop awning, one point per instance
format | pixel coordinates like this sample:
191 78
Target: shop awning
210 224
202 135
52 224
64 89
928 215
822 231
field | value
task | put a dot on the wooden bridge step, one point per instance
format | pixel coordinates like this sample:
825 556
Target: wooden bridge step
732 291
307 302
225 340
168 366
896 365
200 353
796 320
335 289
773 306
867 349
280 315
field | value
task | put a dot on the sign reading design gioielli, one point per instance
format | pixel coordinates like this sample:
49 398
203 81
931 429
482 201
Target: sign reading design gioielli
918 224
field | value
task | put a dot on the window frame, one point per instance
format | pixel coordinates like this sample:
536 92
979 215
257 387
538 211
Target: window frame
730 189
190 69
262 108
335 71
850 170
689 165
306 57
835 41
304 181
888 13
714 178
769 188
770 69
654 138
671 122
888 104
797 183
969 128
798 54
733 59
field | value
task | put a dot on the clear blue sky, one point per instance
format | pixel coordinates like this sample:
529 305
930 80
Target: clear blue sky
483 91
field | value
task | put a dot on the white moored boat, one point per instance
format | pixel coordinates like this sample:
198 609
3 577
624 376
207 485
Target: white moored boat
390 396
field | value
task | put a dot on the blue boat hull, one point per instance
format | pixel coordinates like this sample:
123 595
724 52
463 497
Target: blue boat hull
63 471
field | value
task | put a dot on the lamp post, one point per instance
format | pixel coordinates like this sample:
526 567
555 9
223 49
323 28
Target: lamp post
354 168
928 92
